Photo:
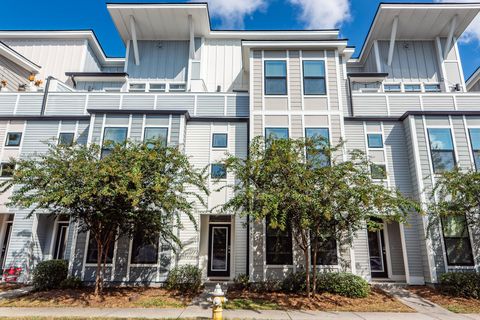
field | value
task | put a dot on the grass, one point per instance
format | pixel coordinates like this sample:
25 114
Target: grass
454 304
80 318
252 304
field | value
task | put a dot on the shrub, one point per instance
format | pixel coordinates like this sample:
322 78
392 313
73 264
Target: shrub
294 282
265 286
49 274
461 284
342 283
186 279
71 283
241 282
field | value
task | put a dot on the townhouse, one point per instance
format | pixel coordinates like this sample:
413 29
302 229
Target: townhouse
403 101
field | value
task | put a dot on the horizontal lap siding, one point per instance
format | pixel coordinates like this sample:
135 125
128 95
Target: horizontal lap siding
369 105
400 104
257 71
295 80
37 134
332 84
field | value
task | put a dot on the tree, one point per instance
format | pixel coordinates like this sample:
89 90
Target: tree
135 186
299 183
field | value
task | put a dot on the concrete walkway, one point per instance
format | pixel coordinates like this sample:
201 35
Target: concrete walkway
15 292
196 312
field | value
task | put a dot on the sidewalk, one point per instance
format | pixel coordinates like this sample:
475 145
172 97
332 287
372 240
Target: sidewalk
193 312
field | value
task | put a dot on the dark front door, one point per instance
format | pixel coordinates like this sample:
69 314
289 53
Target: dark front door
378 254
219 250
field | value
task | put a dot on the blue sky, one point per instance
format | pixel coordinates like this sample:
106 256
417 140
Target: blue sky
353 17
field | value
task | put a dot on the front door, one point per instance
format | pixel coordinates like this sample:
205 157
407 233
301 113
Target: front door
219 250
378 254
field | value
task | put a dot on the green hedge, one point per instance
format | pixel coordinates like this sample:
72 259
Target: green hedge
186 279
461 284
49 274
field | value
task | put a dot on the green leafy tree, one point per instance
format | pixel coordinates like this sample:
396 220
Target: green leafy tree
135 186
299 183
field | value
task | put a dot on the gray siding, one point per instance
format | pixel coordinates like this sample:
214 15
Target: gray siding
91 61
12 73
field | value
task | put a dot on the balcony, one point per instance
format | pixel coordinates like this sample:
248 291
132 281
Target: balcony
223 105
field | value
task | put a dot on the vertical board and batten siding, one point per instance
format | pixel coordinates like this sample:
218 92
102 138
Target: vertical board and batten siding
91 61
55 56
413 61
221 65
159 60
370 62
13 74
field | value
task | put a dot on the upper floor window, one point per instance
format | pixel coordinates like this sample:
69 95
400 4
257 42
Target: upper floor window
66 138
176 87
392 88
112 136
457 241
219 140
276 133
275 77
316 154
475 142
157 87
378 171
13 139
375 140
152 134
314 77
412 88
137 87
432 87
278 245
441 148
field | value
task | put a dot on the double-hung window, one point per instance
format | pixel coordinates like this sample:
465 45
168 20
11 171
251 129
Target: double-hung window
278 245
144 248
275 77
155 134
320 140
314 77
111 137
326 252
378 171
475 142
441 149
92 251
457 241
66 138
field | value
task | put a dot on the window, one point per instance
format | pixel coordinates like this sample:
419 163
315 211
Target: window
475 142
176 87
326 252
92 251
13 139
218 171
276 133
275 77
375 140
60 241
441 148
157 87
316 154
412 88
137 87
66 138
155 134
457 241
378 171
432 87
219 140
314 77
111 137
278 245
144 248
392 88
6 169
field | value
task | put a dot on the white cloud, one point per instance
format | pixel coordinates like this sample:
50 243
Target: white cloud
233 12
473 31
323 14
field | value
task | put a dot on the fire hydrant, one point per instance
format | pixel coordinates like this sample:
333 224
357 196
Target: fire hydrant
217 302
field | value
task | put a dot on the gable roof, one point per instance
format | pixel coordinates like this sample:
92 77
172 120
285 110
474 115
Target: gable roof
18 58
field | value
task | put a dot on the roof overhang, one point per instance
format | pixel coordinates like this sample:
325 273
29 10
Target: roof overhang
18 59
88 35
367 76
419 21
98 76
473 79
247 46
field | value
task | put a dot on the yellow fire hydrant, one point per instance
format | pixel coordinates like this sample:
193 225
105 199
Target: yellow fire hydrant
217 302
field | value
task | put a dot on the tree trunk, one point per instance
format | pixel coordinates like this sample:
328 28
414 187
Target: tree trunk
99 273
314 262
307 270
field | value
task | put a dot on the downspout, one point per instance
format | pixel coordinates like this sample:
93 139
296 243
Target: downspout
45 96
350 96
248 216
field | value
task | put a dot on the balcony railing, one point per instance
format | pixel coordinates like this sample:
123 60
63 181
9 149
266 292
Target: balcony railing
81 103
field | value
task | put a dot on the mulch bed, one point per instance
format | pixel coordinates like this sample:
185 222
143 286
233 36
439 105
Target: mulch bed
454 304
377 301
10 286
113 298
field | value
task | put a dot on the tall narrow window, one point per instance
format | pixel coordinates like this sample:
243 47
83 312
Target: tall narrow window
144 248
475 142
275 77
111 137
60 241
92 251
278 245
314 77
316 153
66 138
155 134
457 241
441 147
